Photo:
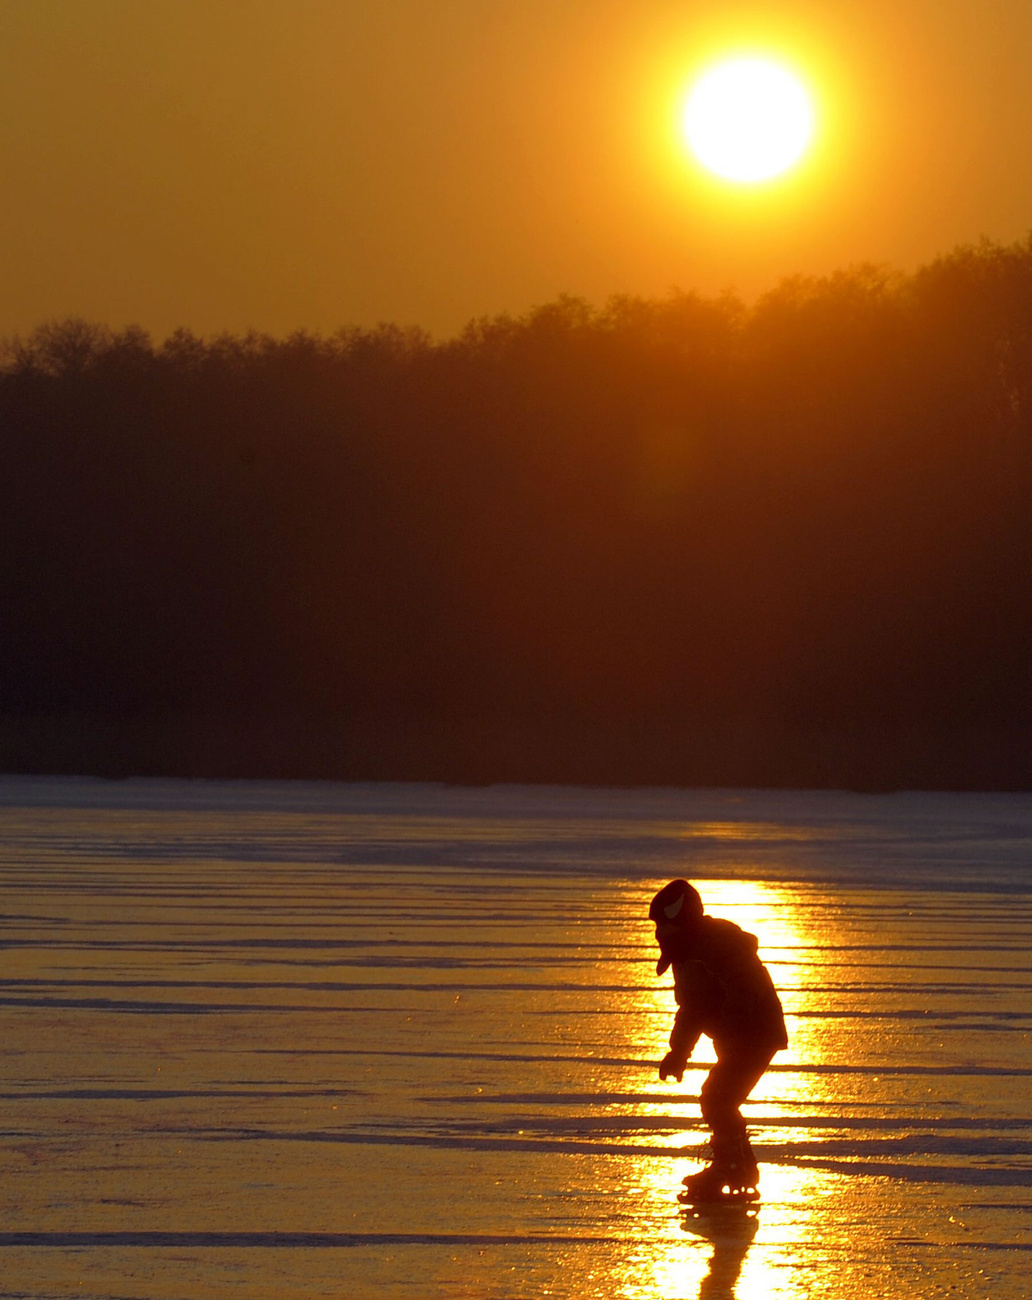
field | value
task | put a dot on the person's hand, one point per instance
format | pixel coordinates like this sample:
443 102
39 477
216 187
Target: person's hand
672 1065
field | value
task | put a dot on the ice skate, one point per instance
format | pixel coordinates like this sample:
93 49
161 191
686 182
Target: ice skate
731 1178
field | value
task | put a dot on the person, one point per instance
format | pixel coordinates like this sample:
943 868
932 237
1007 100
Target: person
723 990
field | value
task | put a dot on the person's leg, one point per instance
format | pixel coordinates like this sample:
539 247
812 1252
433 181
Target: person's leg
726 1087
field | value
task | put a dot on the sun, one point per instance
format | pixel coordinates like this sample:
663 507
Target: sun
748 119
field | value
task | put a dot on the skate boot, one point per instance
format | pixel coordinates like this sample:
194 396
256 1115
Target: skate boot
731 1178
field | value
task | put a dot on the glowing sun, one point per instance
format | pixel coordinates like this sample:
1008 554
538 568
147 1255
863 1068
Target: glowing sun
748 119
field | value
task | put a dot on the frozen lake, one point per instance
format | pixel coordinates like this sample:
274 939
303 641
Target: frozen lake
295 1041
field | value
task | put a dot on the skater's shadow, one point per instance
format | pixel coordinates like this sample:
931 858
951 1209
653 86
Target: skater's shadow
732 1234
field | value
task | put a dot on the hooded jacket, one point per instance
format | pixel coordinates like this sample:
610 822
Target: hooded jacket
723 990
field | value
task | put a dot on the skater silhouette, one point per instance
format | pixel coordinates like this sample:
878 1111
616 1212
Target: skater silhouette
723 990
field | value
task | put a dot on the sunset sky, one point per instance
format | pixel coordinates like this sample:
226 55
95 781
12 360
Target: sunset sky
277 164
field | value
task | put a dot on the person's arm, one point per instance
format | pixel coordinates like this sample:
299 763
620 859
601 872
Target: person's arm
683 1037
687 1027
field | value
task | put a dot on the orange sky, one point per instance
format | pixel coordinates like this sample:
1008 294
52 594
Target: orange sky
275 164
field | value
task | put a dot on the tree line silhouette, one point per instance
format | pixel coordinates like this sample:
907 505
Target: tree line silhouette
684 541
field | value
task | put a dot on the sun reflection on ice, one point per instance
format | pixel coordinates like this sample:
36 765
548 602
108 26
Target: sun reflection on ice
728 1253
786 940
721 1254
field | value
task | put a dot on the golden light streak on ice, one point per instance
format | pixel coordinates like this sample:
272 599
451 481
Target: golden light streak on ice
728 1254
217 1020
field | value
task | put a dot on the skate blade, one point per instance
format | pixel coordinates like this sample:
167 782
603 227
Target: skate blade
687 1180
744 1198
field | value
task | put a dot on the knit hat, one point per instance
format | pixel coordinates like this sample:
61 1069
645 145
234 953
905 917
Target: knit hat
674 899
677 903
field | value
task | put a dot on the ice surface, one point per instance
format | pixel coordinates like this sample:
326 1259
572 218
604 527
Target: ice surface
294 1040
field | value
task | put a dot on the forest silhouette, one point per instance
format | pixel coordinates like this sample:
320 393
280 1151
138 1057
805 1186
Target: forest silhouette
682 541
